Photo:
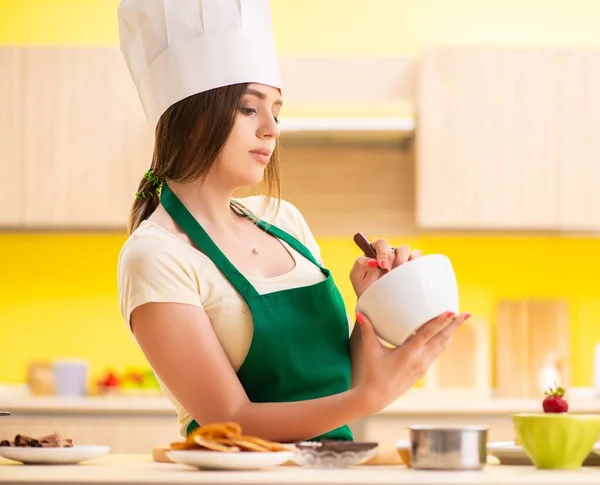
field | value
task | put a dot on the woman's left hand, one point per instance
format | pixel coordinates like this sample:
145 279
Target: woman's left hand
368 270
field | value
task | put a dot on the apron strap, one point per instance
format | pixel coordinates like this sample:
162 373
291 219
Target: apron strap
186 221
291 240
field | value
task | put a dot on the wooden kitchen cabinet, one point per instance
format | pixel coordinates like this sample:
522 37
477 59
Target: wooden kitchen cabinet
11 166
81 144
338 195
137 433
506 139
578 146
486 139
86 143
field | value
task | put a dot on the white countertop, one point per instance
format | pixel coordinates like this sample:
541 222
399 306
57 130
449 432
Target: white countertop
416 403
139 469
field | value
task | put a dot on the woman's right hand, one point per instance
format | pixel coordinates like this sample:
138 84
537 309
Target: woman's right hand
388 373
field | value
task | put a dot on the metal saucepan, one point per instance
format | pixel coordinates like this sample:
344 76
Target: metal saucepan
448 448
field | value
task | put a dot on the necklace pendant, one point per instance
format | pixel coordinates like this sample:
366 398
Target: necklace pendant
254 251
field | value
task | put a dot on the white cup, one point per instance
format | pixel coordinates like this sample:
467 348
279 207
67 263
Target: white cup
70 377
410 295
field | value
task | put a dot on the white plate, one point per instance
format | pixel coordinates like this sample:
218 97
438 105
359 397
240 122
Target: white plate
52 456
222 460
510 454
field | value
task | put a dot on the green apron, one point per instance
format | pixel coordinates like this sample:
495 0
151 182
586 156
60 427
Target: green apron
300 345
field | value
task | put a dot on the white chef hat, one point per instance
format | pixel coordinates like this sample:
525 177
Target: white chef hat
177 48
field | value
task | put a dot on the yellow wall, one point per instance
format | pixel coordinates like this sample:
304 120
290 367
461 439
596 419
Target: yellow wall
59 290
339 27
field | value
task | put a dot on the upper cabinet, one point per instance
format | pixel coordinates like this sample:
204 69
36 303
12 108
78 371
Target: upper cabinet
11 143
74 142
578 146
505 139
86 144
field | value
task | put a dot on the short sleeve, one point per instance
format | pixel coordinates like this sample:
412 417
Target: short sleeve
151 271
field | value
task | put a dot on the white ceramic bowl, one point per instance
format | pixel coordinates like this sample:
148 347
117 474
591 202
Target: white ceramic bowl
410 295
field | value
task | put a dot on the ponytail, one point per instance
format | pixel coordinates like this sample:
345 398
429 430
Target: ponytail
146 201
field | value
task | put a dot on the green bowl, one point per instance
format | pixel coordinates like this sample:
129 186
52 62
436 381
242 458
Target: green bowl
557 441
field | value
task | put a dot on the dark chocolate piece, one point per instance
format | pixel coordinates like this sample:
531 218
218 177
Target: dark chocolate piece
21 440
50 441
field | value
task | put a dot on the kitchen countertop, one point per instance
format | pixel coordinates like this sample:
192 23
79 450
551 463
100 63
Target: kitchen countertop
139 469
440 404
415 403
88 404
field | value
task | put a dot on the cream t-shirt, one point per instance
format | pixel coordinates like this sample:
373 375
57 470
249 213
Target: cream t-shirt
157 266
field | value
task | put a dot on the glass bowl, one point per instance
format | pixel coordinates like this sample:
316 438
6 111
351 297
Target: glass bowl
333 454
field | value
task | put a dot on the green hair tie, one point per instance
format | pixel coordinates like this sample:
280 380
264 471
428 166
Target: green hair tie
154 180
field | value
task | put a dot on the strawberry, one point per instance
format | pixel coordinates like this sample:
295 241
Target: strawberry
554 401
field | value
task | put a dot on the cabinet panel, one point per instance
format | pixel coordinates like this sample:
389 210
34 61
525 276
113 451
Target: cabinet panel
465 365
343 188
528 333
578 147
486 139
11 142
124 433
87 143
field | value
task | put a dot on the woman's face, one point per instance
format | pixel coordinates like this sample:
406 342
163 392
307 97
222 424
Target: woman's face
248 149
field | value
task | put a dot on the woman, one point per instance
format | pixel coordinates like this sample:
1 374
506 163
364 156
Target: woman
228 298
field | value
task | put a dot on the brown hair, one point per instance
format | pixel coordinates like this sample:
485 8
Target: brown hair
188 138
